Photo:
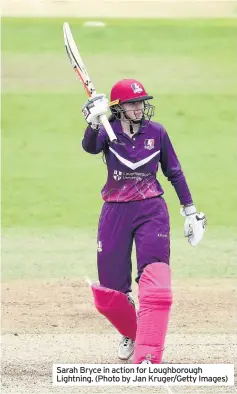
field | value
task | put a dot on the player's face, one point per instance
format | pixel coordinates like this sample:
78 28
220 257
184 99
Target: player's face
135 110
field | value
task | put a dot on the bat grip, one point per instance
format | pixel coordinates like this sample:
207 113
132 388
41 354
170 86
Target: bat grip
108 128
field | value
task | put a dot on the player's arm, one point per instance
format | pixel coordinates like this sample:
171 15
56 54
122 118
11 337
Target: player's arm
95 139
195 223
172 170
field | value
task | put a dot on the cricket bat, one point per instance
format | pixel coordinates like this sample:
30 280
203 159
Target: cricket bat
80 69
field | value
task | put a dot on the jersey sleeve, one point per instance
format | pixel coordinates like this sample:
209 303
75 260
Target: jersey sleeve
172 170
95 141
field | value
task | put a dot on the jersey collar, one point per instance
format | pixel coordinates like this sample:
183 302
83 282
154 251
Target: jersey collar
117 127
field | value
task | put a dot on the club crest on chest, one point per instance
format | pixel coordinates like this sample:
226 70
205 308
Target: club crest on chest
149 144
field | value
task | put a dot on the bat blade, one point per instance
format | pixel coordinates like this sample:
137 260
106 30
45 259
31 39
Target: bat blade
81 71
76 60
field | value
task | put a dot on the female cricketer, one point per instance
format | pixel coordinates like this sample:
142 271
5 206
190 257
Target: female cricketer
134 210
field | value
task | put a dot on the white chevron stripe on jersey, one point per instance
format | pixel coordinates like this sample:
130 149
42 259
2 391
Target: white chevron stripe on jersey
129 164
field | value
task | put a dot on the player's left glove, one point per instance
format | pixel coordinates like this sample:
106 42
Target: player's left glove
194 225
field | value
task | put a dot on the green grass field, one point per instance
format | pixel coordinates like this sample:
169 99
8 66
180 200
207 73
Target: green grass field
51 187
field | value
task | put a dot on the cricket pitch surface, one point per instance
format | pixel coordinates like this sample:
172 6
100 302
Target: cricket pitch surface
46 322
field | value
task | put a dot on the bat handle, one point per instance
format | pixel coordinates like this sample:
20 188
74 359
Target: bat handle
108 128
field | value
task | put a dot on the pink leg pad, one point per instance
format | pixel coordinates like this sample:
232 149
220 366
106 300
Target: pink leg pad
155 300
115 306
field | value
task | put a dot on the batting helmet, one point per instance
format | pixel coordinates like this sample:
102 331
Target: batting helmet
128 91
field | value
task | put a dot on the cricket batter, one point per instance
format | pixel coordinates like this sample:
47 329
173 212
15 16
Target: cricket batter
134 210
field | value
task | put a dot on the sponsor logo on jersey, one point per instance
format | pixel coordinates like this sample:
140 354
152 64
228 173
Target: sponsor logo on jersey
117 175
99 246
149 144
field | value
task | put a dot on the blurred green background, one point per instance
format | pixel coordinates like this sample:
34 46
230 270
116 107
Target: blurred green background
51 188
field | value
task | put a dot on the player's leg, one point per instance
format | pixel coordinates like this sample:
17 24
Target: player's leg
115 247
114 271
154 280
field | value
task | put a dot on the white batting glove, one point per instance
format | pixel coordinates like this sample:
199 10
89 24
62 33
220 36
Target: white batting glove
194 225
94 108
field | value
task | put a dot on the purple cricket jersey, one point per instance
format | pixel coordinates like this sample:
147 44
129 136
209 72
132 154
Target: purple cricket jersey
133 163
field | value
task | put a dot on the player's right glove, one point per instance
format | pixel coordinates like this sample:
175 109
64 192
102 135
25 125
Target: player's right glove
94 108
194 225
